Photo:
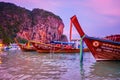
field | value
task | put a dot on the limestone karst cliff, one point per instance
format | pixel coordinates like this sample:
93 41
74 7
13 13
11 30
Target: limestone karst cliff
37 24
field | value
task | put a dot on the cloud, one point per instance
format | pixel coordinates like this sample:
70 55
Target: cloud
103 7
105 13
30 4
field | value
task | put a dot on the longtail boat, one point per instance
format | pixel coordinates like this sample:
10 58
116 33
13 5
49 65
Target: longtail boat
102 49
56 48
25 47
59 51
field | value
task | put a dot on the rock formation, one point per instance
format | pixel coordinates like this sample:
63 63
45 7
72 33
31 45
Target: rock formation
38 24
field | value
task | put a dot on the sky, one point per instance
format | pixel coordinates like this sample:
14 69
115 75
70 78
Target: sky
98 18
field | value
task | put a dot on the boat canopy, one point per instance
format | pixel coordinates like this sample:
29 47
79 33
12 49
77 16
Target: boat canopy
60 42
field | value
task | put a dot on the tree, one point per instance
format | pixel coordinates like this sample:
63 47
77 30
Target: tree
4 36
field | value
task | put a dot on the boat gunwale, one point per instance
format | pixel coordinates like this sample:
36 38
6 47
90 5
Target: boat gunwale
103 40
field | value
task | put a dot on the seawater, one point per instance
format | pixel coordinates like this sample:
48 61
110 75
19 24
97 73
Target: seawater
18 65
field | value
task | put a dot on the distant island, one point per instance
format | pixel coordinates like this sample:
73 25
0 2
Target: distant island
24 24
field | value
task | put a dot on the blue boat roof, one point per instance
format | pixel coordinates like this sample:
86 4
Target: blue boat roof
59 42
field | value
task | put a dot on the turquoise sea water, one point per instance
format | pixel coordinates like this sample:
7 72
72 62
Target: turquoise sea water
18 65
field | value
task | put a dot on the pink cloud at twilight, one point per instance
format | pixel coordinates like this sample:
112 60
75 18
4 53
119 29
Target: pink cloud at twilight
31 4
104 7
103 16
104 10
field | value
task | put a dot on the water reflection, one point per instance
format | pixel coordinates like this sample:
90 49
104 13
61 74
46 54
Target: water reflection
103 70
19 65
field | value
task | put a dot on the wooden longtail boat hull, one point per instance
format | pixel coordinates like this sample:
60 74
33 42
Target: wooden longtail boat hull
49 49
100 48
62 51
59 51
38 46
104 49
23 47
